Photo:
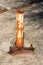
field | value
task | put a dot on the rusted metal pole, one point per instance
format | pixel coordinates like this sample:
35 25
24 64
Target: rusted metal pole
19 29
20 36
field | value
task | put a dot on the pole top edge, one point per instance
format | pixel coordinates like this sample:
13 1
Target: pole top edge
20 11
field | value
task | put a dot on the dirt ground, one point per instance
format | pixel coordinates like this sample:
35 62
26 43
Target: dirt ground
33 29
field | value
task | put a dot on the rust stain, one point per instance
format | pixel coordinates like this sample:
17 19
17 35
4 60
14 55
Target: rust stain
2 11
17 51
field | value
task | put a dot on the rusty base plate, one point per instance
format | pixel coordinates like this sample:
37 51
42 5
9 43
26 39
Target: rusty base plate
15 50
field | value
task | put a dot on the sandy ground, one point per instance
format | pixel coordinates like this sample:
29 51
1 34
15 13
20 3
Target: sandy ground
33 29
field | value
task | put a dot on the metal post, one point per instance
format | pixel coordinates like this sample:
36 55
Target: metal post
19 29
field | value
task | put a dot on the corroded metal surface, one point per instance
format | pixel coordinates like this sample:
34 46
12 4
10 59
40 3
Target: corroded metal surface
19 29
